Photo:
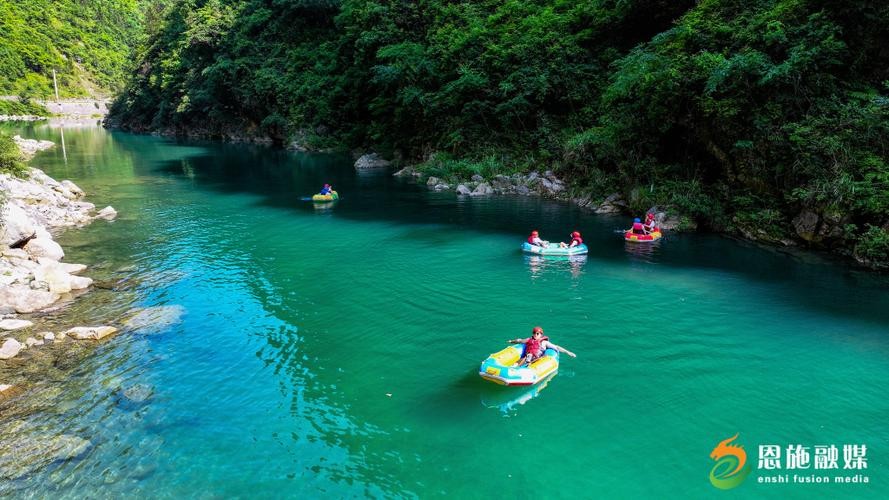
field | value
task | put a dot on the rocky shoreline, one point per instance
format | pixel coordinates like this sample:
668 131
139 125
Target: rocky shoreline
33 277
542 184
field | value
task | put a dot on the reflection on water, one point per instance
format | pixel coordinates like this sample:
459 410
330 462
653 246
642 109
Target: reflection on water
643 252
508 399
540 265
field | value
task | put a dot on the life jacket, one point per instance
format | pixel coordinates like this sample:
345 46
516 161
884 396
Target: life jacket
532 346
637 228
578 240
531 239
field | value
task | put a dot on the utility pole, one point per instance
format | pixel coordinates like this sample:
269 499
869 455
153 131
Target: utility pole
55 84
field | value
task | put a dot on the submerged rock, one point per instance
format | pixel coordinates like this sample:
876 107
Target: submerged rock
154 319
139 393
23 452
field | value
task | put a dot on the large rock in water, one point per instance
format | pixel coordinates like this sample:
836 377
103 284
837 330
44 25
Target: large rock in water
371 160
16 226
107 213
90 332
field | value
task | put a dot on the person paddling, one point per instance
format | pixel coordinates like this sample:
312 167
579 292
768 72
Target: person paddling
536 345
327 189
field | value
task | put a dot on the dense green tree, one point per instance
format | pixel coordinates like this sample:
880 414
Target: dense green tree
90 43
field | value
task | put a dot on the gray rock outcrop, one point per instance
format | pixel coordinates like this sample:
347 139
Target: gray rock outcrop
371 160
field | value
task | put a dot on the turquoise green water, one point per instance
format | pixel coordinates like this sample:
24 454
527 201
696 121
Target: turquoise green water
334 350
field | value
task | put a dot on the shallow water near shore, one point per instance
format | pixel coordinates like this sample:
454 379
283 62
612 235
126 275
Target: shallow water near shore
311 349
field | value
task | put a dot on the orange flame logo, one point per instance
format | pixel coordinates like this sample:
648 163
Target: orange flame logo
730 470
736 450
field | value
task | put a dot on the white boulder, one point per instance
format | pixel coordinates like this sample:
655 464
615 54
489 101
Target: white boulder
44 247
72 188
107 213
15 324
90 332
24 300
56 279
16 225
10 349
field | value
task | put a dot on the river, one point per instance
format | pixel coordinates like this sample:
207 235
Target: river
333 350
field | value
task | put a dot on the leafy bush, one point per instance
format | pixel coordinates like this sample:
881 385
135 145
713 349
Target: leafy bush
873 245
21 108
10 157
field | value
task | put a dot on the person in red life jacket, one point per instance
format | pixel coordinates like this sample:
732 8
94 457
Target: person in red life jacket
575 241
535 240
638 228
650 224
536 345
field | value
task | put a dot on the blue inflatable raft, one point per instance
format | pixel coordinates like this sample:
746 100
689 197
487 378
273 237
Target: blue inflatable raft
554 249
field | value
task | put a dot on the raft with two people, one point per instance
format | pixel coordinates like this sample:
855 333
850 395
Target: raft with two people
643 233
527 362
537 246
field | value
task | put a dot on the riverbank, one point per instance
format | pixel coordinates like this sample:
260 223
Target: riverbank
33 277
63 110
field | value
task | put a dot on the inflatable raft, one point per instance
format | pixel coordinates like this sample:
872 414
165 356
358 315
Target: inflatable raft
333 196
642 238
498 367
554 249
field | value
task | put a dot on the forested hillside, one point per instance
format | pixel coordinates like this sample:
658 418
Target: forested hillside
766 118
90 44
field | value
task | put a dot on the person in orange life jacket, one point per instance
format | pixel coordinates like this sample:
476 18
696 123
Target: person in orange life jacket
650 223
575 240
536 345
638 228
326 189
535 240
